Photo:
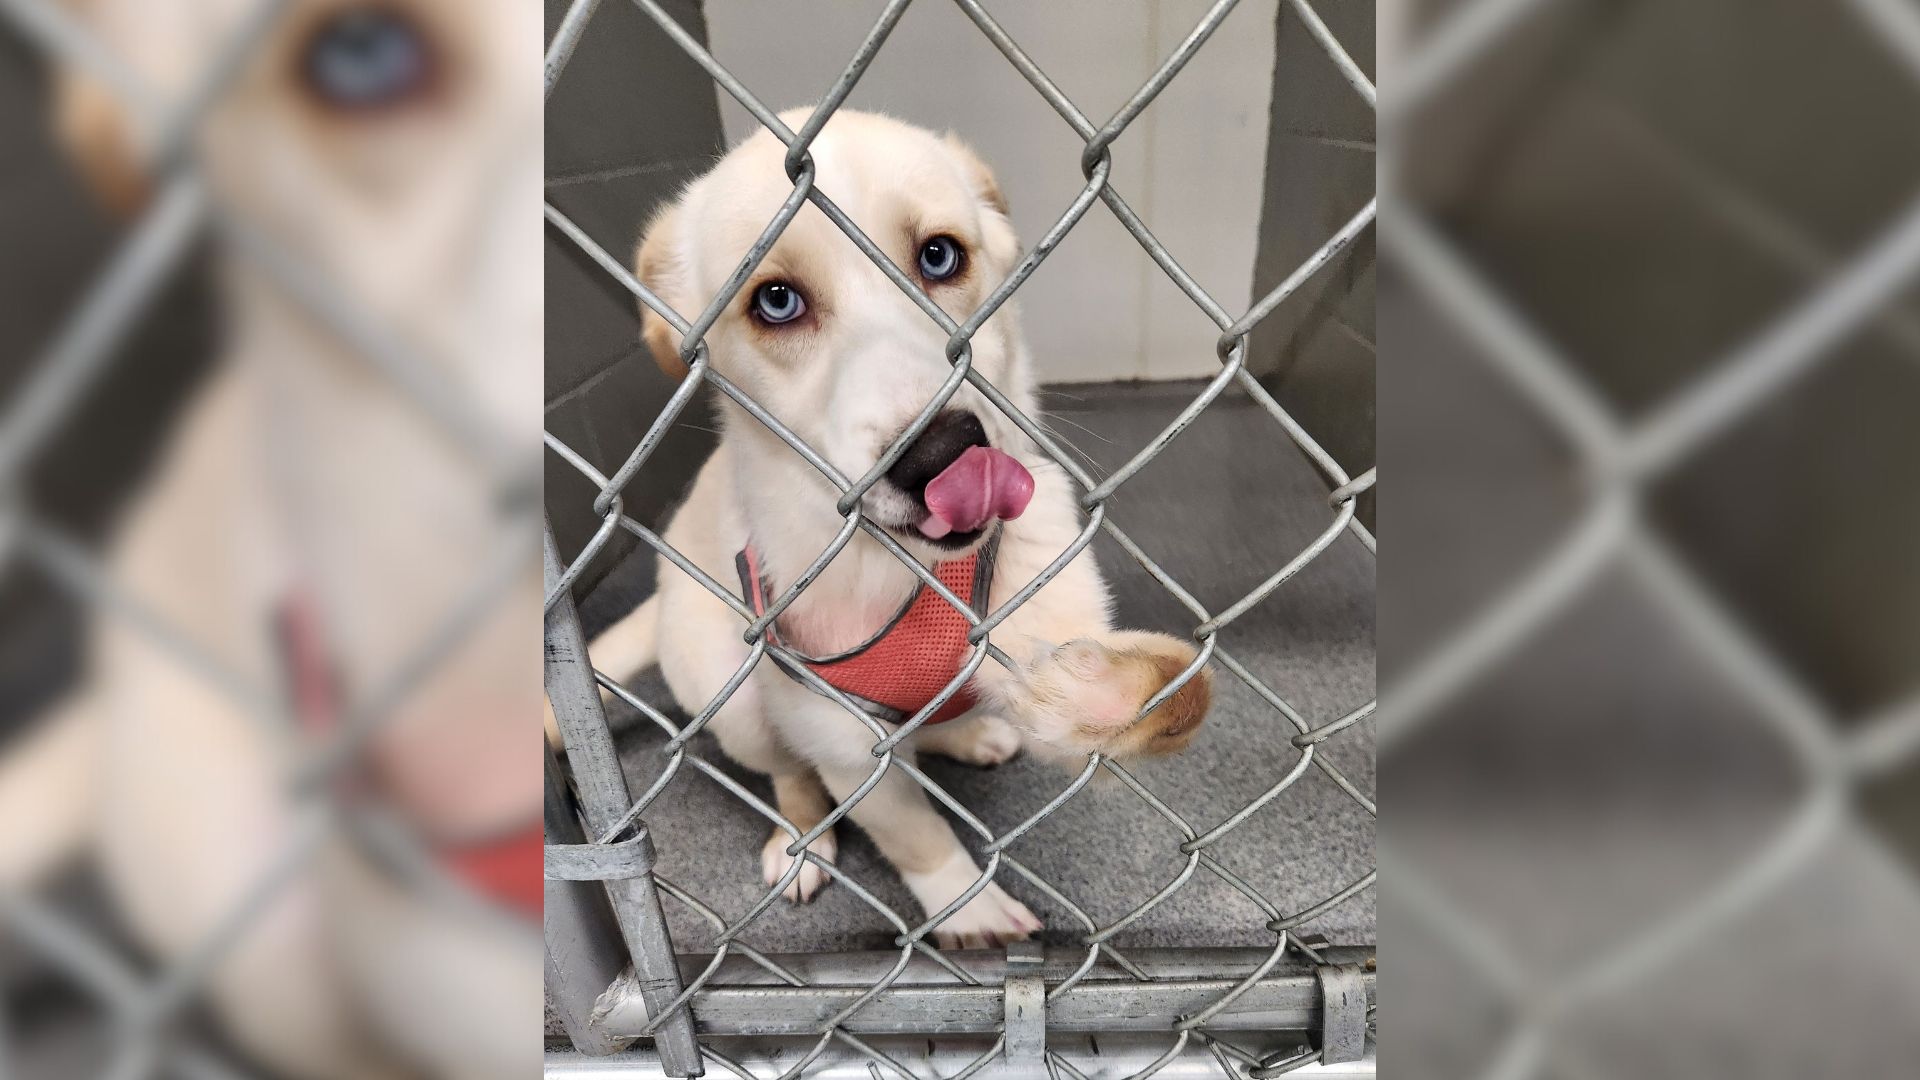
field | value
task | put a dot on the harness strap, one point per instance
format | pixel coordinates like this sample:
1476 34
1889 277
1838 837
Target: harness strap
754 590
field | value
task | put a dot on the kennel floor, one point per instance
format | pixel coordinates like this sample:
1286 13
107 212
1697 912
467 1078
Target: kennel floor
1228 503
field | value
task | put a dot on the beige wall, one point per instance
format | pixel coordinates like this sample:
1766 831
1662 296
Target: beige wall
1191 165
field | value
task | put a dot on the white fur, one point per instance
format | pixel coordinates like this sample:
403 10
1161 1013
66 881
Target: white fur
847 386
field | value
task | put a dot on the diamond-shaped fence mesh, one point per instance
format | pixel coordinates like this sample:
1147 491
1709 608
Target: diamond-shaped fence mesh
685 1016
151 1007
1618 460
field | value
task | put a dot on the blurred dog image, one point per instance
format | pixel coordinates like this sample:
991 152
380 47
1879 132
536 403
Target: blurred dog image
316 532
839 354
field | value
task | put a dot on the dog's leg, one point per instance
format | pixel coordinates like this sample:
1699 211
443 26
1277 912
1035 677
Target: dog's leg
921 845
978 738
630 645
698 657
804 802
747 738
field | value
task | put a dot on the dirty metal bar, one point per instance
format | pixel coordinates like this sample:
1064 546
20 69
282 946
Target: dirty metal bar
601 785
1342 1034
991 966
1111 1055
1026 1004
597 777
584 950
742 999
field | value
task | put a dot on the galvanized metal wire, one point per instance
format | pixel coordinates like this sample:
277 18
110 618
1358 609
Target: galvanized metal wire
1209 627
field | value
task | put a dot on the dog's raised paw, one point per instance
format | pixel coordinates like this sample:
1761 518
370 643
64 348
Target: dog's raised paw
990 920
775 862
1087 694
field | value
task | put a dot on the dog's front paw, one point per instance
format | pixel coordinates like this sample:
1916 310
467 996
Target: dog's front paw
1087 695
775 862
989 920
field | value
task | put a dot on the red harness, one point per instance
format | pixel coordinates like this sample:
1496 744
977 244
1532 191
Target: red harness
909 660
506 869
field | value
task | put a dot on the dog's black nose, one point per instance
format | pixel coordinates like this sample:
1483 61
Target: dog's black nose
945 439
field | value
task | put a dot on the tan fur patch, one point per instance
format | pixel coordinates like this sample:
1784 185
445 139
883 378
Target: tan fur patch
93 128
658 268
1169 728
985 185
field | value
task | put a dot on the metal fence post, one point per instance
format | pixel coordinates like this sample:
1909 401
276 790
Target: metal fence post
602 788
582 939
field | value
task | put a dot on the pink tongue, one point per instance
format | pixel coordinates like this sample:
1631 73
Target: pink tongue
982 484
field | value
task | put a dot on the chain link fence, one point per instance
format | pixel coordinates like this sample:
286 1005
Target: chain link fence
153 1010
1219 1011
1618 456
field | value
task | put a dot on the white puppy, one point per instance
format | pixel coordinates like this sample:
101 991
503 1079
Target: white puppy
836 352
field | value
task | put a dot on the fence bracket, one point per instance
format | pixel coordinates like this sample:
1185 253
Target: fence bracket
629 858
1026 1001
1342 1035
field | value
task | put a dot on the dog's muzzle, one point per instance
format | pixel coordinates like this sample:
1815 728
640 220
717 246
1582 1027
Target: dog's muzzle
961 482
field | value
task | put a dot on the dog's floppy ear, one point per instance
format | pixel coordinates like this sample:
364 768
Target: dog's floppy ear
984 185
661 266
94 129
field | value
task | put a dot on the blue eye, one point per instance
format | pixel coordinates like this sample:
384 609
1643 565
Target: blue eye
940 258
367 58
777 302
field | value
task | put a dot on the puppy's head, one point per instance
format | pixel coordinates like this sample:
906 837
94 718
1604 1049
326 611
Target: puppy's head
834 349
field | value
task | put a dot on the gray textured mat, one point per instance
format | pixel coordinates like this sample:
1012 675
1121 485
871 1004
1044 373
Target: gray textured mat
1227 504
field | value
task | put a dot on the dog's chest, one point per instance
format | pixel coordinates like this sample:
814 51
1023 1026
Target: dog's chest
825 626
894 663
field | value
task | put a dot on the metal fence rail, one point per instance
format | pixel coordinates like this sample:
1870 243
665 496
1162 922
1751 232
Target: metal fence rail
1619 460
144 1013
1022 999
